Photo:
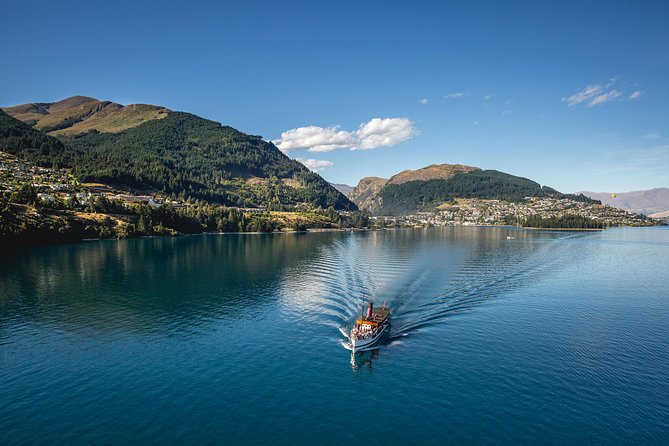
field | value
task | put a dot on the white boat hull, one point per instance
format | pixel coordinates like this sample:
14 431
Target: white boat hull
358 345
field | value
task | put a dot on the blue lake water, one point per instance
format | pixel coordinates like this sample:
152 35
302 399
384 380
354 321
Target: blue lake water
551 338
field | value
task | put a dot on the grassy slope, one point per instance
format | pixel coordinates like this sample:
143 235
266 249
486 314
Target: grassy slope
113 120
181 154
81 114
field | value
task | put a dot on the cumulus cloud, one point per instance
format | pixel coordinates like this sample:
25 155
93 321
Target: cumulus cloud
456 95
378 132
318 139
487 97
636 95
424 100
315 165
384 133
605 97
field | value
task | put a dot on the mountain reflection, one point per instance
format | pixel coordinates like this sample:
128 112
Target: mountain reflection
159 285
149 283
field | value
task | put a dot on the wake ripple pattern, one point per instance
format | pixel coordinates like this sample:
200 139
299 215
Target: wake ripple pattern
423 277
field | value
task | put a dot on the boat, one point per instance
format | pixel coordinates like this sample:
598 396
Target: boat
370 328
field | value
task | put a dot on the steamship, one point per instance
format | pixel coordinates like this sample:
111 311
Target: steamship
370 328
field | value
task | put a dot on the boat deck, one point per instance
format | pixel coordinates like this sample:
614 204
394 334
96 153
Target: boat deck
379 316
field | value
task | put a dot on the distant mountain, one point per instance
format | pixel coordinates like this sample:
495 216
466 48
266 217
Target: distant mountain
647 202
366 191
431 172
81 114
176 153
663 214
343 188
427 188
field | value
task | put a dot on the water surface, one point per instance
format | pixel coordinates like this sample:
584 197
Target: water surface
547 338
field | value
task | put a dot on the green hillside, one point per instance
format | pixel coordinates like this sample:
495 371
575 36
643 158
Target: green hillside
17 137
181 155
414 196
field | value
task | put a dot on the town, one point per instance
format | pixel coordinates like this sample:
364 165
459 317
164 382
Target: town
58 188
480 212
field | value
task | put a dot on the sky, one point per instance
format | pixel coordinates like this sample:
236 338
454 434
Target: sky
571 94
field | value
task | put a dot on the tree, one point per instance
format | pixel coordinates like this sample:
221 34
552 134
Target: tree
26 194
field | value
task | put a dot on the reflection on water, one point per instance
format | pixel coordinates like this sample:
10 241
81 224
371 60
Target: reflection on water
364 359
424 278
236 339
159 285
149 284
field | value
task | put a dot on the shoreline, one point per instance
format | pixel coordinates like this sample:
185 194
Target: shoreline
573 229
19 246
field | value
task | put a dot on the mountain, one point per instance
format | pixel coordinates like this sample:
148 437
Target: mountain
366 191
18 137
426 189
431 172
81 114
343 188
647 202
175 153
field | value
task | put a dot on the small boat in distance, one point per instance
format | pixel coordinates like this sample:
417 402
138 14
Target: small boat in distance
370 328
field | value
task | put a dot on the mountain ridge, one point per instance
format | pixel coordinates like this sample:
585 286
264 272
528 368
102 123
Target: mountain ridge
179 154
79 114
647 202
343 188
364 194
427 188
431 172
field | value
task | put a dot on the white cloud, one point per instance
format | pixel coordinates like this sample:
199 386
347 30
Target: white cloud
636 95
611 81
605 97
652 135
378 132
486 97
424 101
597 94
315 165
586 94
317 139
384 133
456 95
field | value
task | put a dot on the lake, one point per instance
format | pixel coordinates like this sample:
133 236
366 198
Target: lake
550 337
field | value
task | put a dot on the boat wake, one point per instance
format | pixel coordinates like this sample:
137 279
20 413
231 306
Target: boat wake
423 281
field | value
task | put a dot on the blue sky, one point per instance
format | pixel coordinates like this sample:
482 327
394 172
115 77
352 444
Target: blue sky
574 95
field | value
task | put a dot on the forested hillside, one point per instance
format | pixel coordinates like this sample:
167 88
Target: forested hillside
490 184
17 137
181 155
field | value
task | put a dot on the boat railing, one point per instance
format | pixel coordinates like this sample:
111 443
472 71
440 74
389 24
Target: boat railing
361 335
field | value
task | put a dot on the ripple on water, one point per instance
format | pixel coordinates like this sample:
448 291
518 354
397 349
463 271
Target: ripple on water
546 338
